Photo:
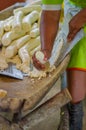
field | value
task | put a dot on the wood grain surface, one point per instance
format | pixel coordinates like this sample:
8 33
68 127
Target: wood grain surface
27 91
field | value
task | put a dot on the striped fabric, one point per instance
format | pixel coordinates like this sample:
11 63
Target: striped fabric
80 3
51 4
51 7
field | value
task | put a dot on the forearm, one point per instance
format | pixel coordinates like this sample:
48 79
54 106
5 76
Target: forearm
48 28
83 14
76 23
51 10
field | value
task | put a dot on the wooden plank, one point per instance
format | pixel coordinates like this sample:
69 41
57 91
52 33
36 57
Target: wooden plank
39 115
23 96
45 110
9 11
44 86
27 92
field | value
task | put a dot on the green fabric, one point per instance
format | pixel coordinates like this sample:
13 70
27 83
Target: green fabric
80 3
52 2
78 55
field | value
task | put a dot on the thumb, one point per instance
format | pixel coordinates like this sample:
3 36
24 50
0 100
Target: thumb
71 35
47 54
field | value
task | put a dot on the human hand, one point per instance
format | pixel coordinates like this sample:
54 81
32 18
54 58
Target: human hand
39 63
76 23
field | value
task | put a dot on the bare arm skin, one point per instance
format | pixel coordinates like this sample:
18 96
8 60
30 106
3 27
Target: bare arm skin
48 30
77 22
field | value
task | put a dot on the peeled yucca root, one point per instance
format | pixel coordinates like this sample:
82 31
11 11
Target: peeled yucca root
20 36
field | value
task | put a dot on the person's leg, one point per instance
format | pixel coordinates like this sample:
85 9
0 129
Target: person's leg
76 84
